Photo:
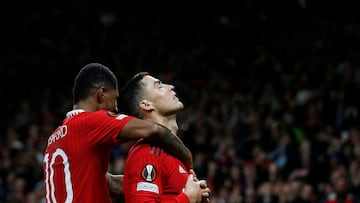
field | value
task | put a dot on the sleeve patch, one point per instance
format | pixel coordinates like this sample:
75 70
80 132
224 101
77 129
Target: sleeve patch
148 173
111 114
149 187
118 116
121 116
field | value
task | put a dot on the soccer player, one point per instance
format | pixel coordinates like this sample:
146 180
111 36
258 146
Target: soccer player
150 173
78 152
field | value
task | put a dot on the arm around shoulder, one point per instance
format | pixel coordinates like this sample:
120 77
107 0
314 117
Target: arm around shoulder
159 135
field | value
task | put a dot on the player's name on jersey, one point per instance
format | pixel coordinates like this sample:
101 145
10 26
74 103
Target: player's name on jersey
59 133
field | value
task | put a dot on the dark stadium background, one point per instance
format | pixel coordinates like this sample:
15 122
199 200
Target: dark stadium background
219 48
44 43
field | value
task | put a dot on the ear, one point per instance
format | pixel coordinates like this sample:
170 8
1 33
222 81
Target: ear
100 95
145 105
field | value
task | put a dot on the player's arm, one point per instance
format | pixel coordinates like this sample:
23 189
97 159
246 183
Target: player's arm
159 135
115 183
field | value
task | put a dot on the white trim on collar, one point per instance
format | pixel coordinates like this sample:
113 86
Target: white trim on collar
74 112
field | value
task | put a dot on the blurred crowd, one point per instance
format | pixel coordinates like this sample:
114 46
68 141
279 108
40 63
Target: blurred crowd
270 90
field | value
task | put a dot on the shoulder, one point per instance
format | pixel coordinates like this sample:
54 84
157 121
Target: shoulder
101 119
101 114
141 149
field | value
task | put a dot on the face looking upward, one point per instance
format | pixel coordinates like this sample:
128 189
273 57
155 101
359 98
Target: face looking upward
160 97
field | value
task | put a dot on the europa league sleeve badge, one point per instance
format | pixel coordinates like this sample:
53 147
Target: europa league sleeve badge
148 173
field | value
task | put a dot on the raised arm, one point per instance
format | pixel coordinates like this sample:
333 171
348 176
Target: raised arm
159 135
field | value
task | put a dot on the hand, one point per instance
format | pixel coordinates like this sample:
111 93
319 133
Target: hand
197 191
205 195
203 184
194 174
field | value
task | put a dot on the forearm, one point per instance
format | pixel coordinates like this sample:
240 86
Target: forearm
158 135
115 183
173 145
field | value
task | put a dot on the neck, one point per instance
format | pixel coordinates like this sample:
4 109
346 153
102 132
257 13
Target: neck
168 121
172 125
88 105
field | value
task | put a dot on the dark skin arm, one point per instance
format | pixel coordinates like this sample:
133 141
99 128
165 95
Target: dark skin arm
159 135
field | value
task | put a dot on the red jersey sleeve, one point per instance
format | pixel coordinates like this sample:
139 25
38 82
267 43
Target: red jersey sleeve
104 127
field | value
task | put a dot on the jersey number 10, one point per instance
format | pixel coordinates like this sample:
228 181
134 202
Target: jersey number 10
49 176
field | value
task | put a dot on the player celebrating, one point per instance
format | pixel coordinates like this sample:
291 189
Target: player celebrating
150 173
78 152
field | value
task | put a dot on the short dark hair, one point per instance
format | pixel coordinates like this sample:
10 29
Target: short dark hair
90 77
131 93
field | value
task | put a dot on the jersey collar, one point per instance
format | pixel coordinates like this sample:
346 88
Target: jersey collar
74 112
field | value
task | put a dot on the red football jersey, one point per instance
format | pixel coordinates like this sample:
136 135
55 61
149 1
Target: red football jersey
78 155
152 175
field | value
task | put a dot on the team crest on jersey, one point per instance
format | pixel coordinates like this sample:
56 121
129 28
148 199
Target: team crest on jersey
148 173
112 114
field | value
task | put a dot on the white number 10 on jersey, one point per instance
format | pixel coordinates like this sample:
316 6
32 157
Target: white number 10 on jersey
49 176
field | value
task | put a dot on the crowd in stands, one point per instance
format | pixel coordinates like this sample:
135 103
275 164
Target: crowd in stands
270 88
